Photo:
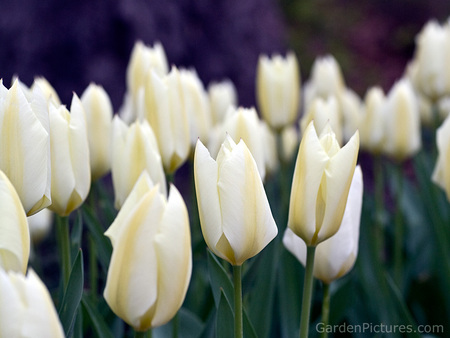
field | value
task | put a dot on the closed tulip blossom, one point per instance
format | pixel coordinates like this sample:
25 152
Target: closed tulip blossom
441 173
151 263
99 114
402 122
322 177
14 233
26 307
25 145
71 173
222 95
235 215
335 256
278 89
134 149
165 111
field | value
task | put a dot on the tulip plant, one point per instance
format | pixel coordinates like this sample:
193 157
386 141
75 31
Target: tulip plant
186 215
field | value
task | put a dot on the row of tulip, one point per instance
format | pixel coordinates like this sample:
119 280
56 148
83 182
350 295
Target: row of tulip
51 155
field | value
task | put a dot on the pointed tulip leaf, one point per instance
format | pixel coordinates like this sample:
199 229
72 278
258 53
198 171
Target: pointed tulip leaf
96 319
224 318
219 279
72 296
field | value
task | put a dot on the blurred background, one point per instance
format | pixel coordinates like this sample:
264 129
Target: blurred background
73 43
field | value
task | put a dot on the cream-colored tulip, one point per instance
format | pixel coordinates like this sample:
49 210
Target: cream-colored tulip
26 307
326 80
40 225
269 144
99 114
134 149
165 111
402 122
432 74
143 59
441 173
324 112
25 145
196 103
289 141
350 104
47 89
278 89
371 123
71 172
242 123
235 214
322 177
221 95
151 262
14 233
335 256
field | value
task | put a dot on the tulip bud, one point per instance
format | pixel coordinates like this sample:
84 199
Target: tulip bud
290 141
350 104
143 59
432 54
322 177
197 106
14 233
278 89
243 124
269 144
222 95
326 79
371 124
335 256
151 262
26 307
441 173
71 173
165 111
235 214
324 112
134 149
402 122
25 145
99 113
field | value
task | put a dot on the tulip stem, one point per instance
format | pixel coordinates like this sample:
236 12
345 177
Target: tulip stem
62 230
143 334
379 207
238 322
307 292
399 230
325 308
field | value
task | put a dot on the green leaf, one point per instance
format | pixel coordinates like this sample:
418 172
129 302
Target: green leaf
72 296
261 297
290 286
224 317
96 319
76 233
219 280
104 247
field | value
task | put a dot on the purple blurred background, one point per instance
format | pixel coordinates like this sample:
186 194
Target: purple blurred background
73 43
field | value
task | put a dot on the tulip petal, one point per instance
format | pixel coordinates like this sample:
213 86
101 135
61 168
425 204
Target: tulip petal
339 173
309 170
173 249
14 232
134 266
206 177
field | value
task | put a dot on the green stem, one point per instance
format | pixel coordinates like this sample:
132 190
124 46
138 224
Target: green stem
238 322
307 292
379 207
62 232
325 308
175 325
143 334
399 230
